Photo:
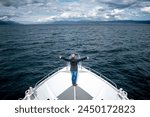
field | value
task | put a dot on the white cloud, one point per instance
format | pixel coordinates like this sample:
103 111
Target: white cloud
105 16
46 19
67 15
95 11
118 14
145 9
4 18
117 11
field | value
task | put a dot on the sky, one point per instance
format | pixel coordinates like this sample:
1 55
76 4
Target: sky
41 11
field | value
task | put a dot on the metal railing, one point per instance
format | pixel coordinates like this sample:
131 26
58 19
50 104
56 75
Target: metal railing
49 74
94 71
104 77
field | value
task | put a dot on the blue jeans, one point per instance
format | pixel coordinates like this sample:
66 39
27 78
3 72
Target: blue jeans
74 77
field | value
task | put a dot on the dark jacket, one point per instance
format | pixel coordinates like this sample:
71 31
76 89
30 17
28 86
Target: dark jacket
74 62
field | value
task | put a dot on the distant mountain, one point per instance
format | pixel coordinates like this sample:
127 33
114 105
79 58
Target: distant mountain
100 22
8 23
64 22
131 21
75 22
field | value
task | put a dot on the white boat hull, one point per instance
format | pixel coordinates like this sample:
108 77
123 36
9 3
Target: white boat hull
90 86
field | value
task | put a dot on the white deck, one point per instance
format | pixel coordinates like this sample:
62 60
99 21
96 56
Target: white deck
55 85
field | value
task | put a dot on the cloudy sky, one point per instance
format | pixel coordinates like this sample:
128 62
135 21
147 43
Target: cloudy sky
39 11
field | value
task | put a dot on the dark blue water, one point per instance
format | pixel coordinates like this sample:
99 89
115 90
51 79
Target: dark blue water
119 51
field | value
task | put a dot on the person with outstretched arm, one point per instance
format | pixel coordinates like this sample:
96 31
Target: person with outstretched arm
74 66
